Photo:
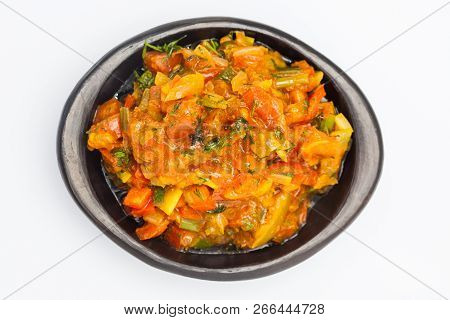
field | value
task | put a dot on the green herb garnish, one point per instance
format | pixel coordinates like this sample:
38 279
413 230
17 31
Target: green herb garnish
121 156
327 124
239 124
227 74
158 195
144 80
175 108
197 136
198 193
215 143
168 48
212 45
219 209
286 72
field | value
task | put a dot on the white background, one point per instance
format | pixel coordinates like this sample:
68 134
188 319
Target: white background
407 220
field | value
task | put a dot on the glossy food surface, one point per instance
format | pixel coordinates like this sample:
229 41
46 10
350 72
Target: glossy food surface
221 143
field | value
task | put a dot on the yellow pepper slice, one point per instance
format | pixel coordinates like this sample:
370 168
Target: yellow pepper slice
171 198
189 85
276 216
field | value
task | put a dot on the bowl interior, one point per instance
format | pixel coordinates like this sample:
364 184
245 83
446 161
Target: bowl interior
328 205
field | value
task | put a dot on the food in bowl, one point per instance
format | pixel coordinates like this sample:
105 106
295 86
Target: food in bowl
221 143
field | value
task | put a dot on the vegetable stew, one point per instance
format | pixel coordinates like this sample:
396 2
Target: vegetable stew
221 143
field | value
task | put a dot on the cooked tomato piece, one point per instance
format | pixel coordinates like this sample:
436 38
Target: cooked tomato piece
150 230
137 198
199 198
107 109
130 100
264 106
159 61
189 213
147 209
179 238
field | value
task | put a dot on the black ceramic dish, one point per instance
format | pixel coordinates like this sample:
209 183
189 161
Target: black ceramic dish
81 169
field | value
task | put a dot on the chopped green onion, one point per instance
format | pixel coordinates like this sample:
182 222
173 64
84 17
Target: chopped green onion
327 124
212 45
284 82
168 48
203 244
124 117
191 225
287 72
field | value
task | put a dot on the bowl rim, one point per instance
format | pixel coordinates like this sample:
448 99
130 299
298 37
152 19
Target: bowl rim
226 274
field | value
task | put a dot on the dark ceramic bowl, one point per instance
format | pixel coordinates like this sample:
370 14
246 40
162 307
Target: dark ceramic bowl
81 169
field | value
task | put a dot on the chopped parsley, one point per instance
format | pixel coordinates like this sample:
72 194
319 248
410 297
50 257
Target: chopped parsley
158 195
215 143
121 155
239 124
198 193
175 108
218 209
197 136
